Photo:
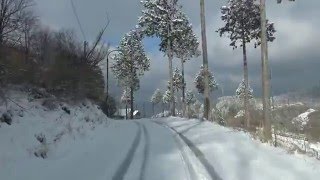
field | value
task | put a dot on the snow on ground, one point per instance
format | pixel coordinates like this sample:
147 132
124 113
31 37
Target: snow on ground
241 113
63 134
293 142
316 147
235 155
84 145
303 118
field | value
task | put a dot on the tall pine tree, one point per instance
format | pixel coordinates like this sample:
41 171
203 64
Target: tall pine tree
243 25
131 63
165 20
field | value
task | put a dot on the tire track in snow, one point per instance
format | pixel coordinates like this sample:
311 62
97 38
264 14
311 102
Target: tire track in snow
189 128
197 152
124 166
201 157
189 170
146 152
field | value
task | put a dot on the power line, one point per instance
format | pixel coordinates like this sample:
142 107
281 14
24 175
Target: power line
78 20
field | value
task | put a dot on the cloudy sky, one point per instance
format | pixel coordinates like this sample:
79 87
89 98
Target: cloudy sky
294 55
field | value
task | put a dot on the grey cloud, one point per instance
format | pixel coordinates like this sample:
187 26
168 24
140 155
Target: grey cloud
294 56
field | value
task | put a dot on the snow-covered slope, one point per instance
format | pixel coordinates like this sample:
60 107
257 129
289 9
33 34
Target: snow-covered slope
303 119
235 155
60 127
80 143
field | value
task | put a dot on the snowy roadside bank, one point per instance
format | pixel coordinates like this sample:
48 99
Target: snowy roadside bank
235 155
42 131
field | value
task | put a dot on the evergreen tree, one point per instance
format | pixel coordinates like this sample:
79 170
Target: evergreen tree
243 25
156 98
197 108
131 63
165 20
240 92
190 97
185 49
199 81
126 100
177 80
166 99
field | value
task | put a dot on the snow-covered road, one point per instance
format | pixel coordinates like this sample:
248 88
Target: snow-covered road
154 149
158 152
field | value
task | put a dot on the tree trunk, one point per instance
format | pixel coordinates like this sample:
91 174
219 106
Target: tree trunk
246 88
153 108
183 90
265 75
205 61
188 111
126 110
132 108
1 33
173 108
26 48
162 104
131 89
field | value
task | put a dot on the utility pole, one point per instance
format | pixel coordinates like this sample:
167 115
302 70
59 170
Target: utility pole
265 75
107 98
205 61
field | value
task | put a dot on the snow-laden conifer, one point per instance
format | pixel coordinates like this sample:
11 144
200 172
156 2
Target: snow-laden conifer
131 62
199 81
165 20
243 25
240 92
156 98
190 98
177 80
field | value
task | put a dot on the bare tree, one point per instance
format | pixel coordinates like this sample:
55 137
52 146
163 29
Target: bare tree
98 51
11 15
42 44
28 23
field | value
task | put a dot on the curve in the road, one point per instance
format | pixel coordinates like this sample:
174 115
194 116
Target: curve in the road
196 151
123 168
189 128
146 152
